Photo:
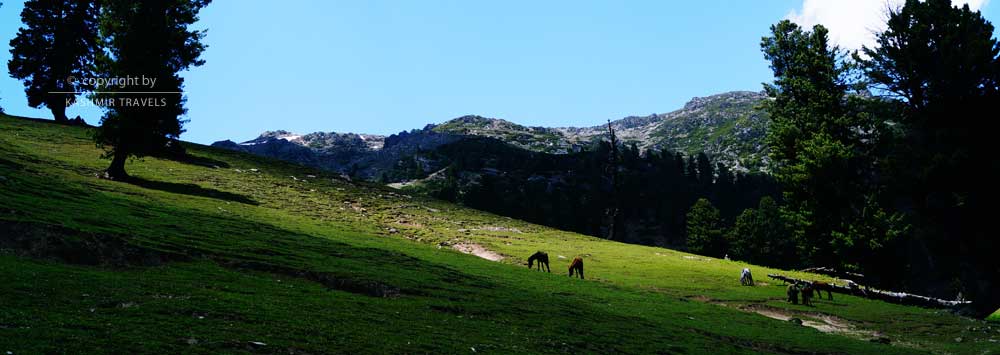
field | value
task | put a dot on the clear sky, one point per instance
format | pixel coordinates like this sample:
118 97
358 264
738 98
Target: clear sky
385 66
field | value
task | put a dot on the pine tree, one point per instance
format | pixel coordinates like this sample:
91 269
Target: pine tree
54 52
148 39
704 229
706 173
758 236
819 142
691 169
942 63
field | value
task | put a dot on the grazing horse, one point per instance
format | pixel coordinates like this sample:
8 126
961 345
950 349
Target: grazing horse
576 265
807 294
819 286
793 293
746 278
542 258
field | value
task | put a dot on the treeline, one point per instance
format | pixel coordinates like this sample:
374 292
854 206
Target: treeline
576 192
884 157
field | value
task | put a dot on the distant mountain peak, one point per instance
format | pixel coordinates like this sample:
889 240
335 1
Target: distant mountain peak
731 96
275 134
473 119
472 123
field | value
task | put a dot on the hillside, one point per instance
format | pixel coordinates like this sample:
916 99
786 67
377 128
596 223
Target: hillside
728 127
232 252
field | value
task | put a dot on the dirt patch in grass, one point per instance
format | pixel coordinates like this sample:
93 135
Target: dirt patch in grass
820 321
702 299
497 229
477 250
409 224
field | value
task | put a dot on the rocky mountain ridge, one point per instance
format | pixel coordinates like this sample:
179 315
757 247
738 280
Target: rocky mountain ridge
728 127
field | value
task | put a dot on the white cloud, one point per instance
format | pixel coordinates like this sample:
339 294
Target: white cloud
853 23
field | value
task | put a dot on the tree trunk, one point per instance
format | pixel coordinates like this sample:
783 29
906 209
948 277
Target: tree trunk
117 169
828 271
58 112
613 162
887 296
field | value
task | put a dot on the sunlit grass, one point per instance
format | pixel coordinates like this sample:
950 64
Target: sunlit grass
250 230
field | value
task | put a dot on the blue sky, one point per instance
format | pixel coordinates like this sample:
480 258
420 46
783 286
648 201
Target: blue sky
382 67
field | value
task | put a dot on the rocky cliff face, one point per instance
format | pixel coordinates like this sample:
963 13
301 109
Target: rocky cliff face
729 127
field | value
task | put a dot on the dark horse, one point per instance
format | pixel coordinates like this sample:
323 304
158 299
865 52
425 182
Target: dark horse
541 258
576 265
819 287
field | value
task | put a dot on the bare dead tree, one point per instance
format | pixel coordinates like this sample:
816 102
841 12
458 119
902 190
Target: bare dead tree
612 168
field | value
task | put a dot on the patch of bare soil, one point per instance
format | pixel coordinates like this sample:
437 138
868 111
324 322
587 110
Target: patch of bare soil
702 299
823 322
692 257
492 229
409 223
477 250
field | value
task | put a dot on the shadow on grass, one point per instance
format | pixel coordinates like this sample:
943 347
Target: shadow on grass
201 161
4 163
190 189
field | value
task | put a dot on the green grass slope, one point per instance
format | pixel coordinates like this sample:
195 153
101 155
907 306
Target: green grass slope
227 252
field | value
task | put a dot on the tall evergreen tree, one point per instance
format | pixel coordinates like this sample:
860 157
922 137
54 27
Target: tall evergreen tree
147 39
678 164
691 169
805 114
758 236
53 50
943 64
820 139
706 173
705 233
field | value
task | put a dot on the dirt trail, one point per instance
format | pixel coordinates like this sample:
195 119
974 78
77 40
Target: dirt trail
477 250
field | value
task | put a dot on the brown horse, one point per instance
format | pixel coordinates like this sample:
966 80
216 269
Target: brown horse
807 294
576 265
542 258
819 287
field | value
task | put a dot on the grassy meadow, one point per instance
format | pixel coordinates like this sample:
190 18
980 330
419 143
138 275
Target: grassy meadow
225 252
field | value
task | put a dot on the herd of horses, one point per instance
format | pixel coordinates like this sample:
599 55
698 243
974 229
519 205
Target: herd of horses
540 261
806 289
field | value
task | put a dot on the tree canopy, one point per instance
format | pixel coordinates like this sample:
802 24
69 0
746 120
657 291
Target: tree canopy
54 52
705 230
941 64
151 40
